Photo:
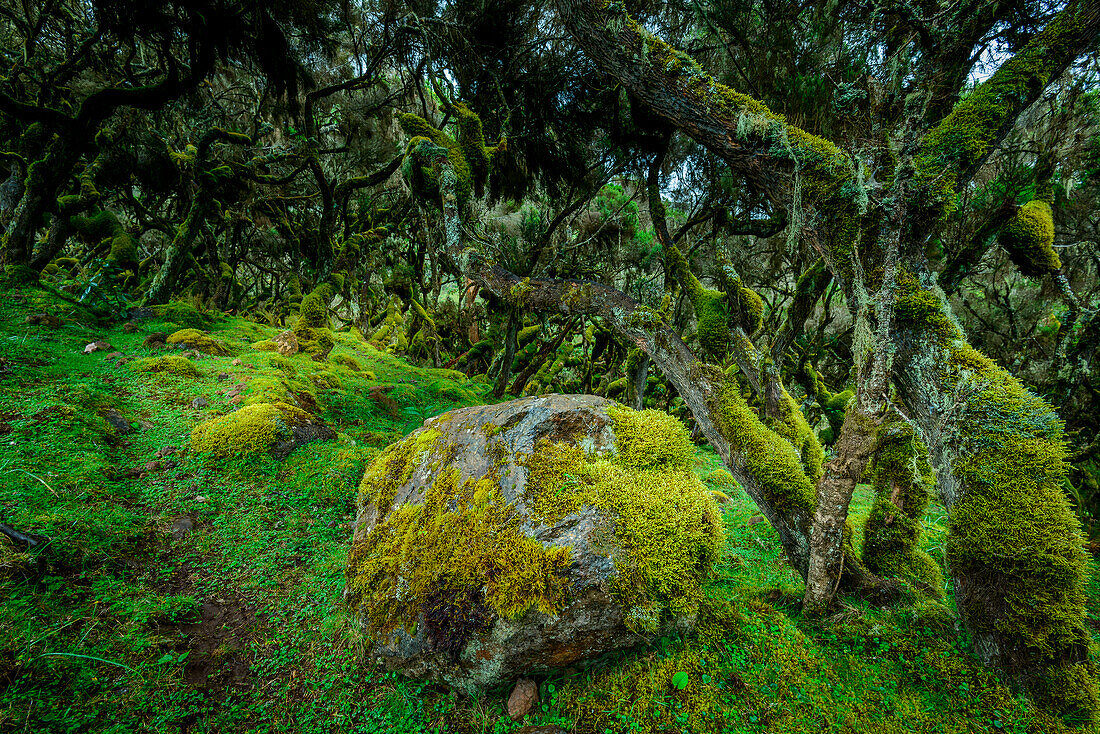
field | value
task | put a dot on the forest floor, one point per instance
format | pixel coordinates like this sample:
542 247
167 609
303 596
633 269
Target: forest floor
172 593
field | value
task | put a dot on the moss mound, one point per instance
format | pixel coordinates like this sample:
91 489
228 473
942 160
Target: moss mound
1029 239
184 314
195 339
172 364
252 428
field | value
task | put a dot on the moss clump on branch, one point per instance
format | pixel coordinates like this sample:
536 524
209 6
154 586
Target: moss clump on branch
469 156
769 457
1029 239
103 225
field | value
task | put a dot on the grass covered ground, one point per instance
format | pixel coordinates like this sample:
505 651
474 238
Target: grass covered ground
176 593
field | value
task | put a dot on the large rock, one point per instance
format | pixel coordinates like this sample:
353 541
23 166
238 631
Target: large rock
511 539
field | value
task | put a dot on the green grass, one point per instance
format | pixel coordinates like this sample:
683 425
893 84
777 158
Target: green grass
120 622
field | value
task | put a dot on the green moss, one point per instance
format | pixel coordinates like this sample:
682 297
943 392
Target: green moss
660 523
963 139
347 361
652 502
1029 239
182 313
252 428
903 482
769 457
460 540
791 424
195 339
751 307
101 226
283 364
171 364
417 169
1014 546
711 313
314 310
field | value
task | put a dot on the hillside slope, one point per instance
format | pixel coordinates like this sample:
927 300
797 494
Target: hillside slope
169 591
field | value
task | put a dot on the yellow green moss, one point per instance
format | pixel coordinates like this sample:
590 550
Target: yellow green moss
903 482
791 424
1029 239
661 523
658 522
252 428
195 339
182 313
347 361
464 541
172 364
769 457
1013 538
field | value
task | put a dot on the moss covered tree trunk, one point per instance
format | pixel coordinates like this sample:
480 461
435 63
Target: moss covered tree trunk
1015 550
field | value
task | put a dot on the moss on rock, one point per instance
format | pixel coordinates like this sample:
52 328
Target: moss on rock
655 519
172 364
253 428
197 340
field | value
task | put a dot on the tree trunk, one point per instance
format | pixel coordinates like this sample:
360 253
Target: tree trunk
1014 550
176 259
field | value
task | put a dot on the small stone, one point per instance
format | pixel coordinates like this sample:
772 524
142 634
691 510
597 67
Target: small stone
146 425
114 355
43 319
182 527
200 498
223 376
523 699
331 524
236 400
153 466
155 340
171 464
5 428
198 403
130 327
118 422
755 520
123 361
166 451
131 473
96 347
236 363
286 343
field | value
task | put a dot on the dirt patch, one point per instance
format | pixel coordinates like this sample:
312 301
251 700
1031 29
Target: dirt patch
218 639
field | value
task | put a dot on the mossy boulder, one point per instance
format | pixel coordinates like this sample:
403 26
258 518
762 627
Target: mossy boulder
173 365
276 428
197 340
511 539
184 314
